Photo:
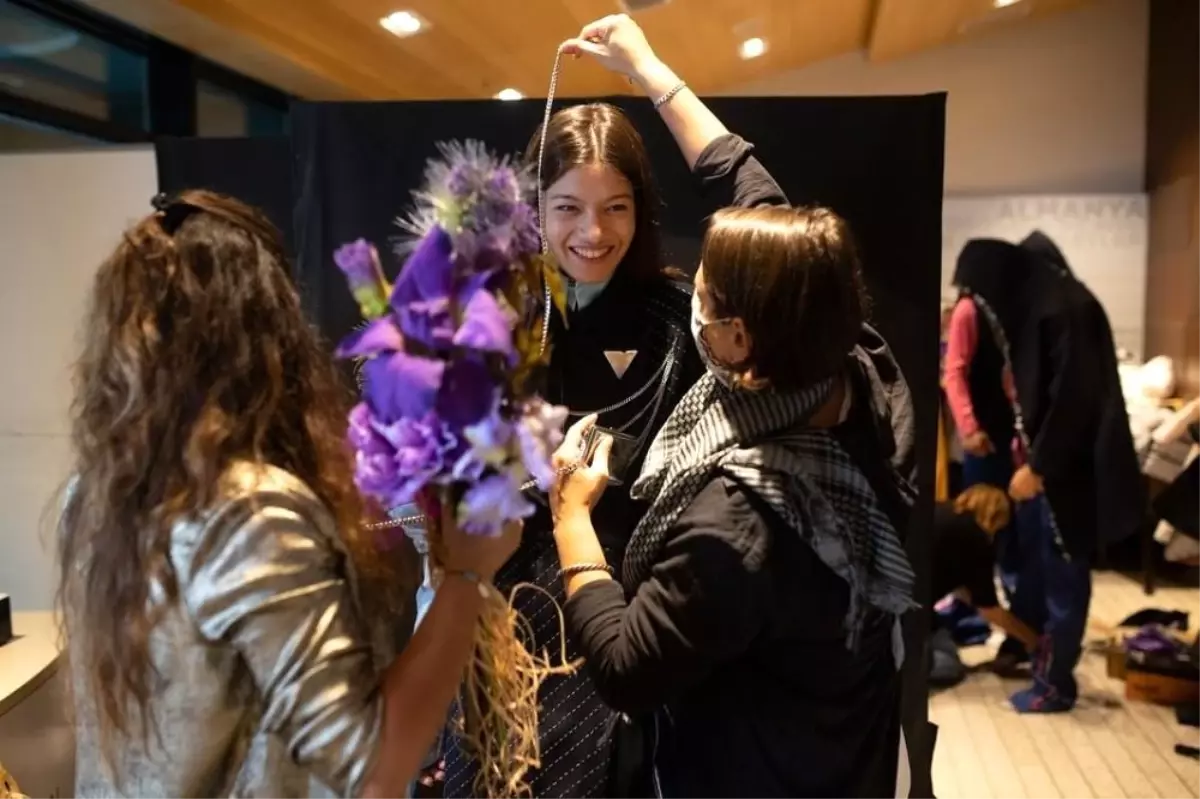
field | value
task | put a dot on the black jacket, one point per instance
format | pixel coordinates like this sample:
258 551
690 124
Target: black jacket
1064 368
1084 445
737 645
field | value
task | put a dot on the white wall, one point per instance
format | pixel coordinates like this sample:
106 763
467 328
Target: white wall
1103 237
1050 106
61 214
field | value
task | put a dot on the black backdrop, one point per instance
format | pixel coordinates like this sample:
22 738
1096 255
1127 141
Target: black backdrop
877 161
257 171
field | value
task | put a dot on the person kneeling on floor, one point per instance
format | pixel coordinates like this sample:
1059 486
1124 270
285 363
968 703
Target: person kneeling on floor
964 556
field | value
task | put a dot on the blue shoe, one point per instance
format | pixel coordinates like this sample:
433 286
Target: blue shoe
1042 696
1040 699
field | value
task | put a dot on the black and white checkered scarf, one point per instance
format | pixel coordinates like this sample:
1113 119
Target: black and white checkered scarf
760 439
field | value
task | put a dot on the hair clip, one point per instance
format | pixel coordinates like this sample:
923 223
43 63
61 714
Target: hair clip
171 211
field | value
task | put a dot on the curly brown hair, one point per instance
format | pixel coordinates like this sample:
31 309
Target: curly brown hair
197 355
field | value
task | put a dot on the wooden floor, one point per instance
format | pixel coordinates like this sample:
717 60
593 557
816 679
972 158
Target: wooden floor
1106 747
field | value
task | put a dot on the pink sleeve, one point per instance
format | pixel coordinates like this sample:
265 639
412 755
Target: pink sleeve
961 339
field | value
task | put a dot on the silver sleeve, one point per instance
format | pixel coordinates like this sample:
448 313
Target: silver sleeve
267 576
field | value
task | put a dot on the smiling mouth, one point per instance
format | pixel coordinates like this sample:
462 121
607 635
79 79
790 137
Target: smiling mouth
591 253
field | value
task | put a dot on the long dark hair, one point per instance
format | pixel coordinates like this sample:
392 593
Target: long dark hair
197 355
598 133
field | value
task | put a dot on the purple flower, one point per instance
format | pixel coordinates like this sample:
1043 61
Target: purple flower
490 503
494 201
359 262
361 431
375 471
540 431
527 237
468 391
379 336
399 385
480 199
421 298
395 383
420 449
487 326
490 438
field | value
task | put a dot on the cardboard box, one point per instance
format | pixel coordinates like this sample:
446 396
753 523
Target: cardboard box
1169 678
1114 657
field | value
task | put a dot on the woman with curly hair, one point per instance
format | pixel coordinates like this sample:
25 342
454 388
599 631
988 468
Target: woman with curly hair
211 547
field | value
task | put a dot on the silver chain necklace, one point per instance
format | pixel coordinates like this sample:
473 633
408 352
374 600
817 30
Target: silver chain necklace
541 193
1001 340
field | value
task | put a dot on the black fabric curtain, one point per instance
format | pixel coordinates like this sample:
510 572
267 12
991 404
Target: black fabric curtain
348 171
257 171
876 161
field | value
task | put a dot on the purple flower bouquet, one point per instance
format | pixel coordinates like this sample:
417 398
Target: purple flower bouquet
450 419
451 351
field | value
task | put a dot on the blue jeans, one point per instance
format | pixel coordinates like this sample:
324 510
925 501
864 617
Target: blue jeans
996 469
1052 597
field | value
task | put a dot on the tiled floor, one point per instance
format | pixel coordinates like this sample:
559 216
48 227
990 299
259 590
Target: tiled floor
1107 747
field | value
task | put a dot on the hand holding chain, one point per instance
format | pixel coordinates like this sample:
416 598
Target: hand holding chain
416 519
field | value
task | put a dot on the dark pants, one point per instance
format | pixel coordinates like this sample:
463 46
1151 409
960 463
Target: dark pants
1052 596
996 470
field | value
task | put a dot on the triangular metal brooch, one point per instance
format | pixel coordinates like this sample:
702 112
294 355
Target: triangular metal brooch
619 360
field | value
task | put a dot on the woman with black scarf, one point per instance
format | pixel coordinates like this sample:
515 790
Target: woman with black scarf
755 619
1038 325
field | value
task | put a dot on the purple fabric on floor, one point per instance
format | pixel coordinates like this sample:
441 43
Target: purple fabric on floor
1152 639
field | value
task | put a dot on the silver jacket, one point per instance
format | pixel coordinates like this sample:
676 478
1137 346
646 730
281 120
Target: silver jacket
269 674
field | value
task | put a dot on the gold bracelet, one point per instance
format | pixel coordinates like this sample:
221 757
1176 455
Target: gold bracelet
583 568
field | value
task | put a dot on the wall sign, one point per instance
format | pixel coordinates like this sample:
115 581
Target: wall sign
1103 237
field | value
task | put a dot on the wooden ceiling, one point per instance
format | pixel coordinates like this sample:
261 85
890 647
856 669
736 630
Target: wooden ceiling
336 49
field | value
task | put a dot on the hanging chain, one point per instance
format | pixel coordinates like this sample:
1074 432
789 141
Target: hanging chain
621 404
541 193
419 519
1018 415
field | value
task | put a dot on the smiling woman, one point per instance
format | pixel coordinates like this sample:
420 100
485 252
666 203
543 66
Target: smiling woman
591 220
600 195
621 348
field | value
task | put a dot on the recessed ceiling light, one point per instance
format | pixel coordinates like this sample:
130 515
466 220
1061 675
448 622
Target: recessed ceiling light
1004 3
752 48
402 23
509 94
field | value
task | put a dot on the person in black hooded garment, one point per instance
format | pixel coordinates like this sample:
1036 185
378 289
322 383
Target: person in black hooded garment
1120 492
1041 328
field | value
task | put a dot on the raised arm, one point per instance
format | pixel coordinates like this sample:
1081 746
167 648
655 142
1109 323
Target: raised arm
721 159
